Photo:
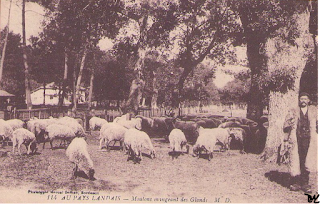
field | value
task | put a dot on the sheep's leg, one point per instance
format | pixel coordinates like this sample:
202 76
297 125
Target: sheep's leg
74 172
13 146
19 146
101 141
51 144
44 143
29 148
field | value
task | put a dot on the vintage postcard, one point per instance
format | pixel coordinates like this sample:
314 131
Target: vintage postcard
148 101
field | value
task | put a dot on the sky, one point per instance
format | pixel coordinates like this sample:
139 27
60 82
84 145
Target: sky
35 15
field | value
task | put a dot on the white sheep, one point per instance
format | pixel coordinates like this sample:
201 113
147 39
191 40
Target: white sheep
239 135
96 123
223 137
23 136
135 141
15 123
6 131
57 131
114 132
133 123
106 126
206 141
73 124
77 153
177 140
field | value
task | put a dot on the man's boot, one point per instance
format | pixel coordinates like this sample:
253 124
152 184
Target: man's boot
295 184
305 183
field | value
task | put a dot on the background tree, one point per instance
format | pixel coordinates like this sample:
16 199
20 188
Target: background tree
203 30
153 20
94 20
13 72
237 90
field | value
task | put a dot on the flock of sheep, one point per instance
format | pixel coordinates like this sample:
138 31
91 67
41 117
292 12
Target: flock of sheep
206 134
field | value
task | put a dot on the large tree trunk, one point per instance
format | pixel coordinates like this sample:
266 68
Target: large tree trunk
25 61
256 61
65 80
90 90
77 89
5 43
284 57
182 79
137 85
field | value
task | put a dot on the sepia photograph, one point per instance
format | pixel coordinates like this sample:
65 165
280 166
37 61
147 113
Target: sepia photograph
159 101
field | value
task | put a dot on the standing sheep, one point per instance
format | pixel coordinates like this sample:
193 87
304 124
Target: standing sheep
114 132
6 131
177 141
77 153
136 140
205 142
15 124
96 123
56 131
23 136
133 123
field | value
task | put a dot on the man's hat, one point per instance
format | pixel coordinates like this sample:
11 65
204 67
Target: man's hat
304 94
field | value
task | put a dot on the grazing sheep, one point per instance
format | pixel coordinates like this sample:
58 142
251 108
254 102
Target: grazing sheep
146 123
56 131
15 124
136 140
205 142
77 153
96 123
114 132
189 128
73 124
223 137
23 136
238 135
177 140
162 126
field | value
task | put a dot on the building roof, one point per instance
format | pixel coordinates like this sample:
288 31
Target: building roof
3 93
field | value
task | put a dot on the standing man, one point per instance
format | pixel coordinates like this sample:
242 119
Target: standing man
301 141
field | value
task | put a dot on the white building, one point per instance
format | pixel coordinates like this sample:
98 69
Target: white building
52 95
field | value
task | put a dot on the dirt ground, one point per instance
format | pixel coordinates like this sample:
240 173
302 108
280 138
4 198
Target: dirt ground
229 178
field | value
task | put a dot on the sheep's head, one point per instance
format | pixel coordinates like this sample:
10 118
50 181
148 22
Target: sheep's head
91 174
153 154
33 147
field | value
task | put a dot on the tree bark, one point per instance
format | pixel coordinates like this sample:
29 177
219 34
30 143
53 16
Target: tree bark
65 79
25 60
284 56
77 86
256 61
5 44
154 91
90 90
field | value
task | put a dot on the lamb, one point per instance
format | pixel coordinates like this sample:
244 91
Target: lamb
96 123
15 124
56 131
136 140
77 153
23 136
205 142
114 132
177 140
